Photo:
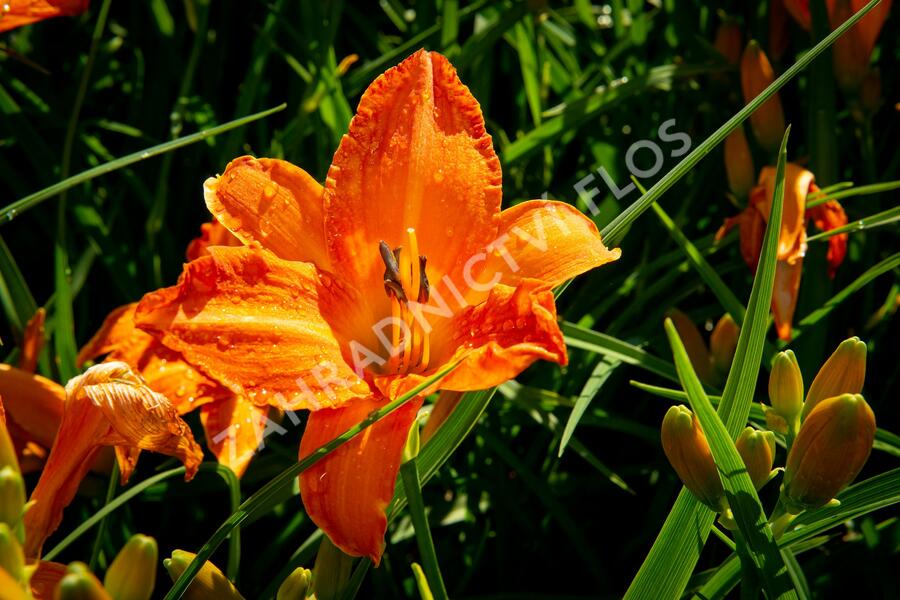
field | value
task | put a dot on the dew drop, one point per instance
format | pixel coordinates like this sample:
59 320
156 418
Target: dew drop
223 342
269 191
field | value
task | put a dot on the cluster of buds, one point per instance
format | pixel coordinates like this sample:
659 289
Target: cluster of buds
686 447
829 435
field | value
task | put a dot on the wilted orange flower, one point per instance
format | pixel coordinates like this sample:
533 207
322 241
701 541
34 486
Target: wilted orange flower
106 406
798 184
16 13
334 307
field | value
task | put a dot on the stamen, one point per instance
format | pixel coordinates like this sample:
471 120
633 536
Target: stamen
405 279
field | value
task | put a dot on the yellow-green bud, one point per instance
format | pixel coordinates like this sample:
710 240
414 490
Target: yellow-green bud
12 500
786 386
132 574
8 457
209 584
831 448
80 584
331 573
722 343
688 452
297 585
757 450
411 450
843 373
10 589
12 557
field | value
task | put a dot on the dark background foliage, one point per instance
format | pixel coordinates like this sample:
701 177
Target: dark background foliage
510 518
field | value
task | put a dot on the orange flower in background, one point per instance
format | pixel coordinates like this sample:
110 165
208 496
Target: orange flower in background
108 405
34 408
351 294
798 184
853 50
757 74
16 13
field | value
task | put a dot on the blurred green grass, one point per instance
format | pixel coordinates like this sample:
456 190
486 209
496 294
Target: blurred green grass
566 87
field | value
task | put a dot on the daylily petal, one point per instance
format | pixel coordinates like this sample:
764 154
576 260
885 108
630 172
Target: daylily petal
544 240
45 579
493 341
211 234
164 370
826 217
17 13
798 183
784 296
272 204
751 227
32 341
106 406
234 429
253 322
33 403
416 155
347 492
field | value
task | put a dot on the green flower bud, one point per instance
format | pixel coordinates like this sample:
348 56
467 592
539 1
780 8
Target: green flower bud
831 448
12 500
132 574
786 387
297 585
331 572
757 450
80 584
688 452
12 557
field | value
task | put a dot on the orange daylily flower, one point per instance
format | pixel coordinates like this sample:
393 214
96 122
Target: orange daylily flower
353 293
16 13
108 405
799 183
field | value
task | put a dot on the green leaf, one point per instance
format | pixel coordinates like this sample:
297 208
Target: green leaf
824 195
409 474
598 377
718 287
15 297
594 341
891 215
11 211
885 266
